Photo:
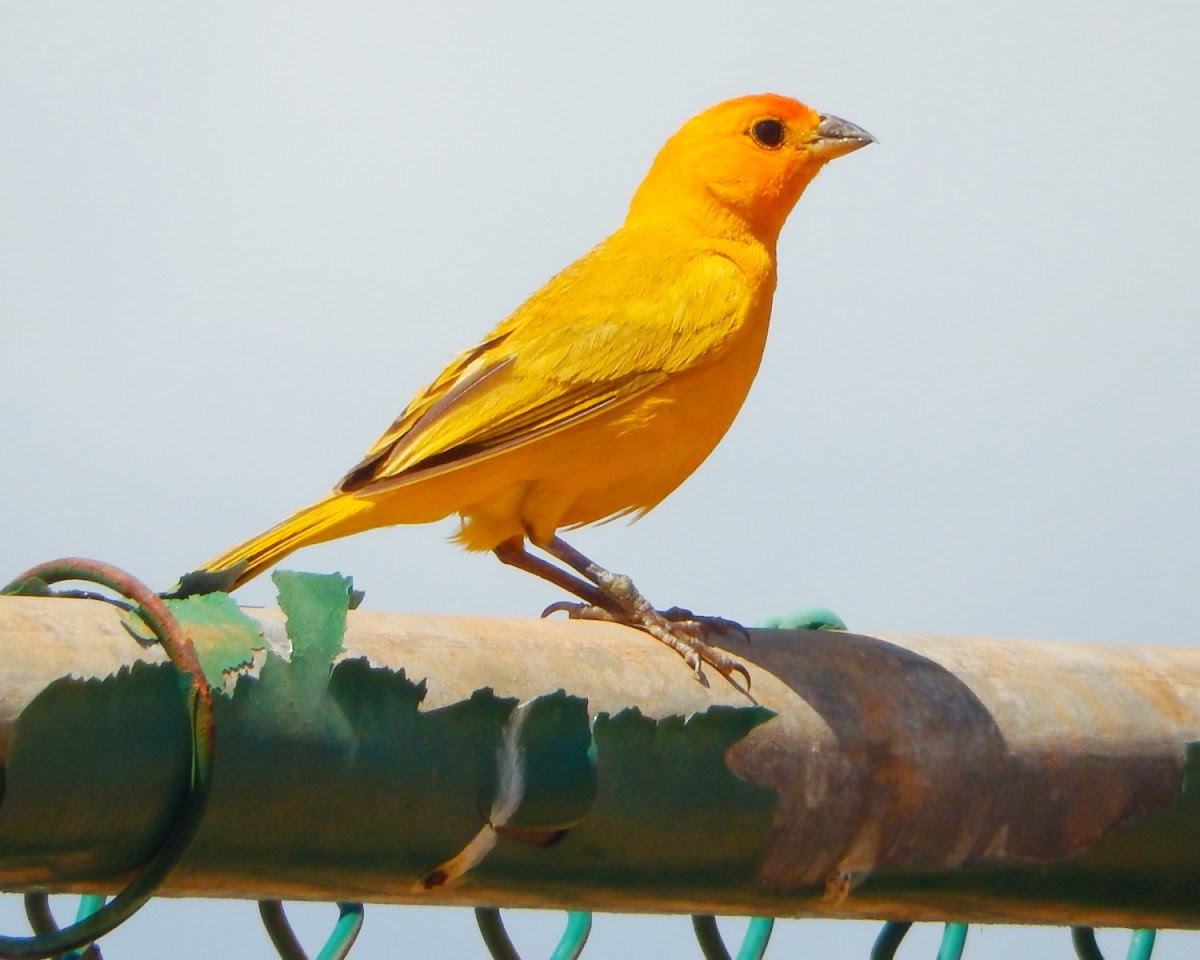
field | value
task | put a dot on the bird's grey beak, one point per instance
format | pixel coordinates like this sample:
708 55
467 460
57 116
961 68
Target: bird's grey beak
837 137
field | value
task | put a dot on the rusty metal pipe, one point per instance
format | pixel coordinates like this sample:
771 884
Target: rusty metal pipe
902 777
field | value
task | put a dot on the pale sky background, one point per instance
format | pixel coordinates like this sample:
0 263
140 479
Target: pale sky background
235 238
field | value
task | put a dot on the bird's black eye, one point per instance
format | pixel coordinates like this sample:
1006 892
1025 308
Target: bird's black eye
768 133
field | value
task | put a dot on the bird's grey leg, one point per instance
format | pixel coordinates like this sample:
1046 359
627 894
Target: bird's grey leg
513 553
680 631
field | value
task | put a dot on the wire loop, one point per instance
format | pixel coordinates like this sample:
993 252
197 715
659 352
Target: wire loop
495 937
712 944
41 920
954 938
1141 944
48 939
337 944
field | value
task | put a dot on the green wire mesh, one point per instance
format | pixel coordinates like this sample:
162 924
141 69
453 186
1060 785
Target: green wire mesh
954 937
712 945
42 922
337 944
1141 944
495 937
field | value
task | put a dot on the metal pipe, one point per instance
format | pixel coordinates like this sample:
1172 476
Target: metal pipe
456 760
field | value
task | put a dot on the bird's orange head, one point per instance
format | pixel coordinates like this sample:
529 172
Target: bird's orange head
741 166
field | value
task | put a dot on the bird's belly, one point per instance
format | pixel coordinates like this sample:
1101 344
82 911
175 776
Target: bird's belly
639 454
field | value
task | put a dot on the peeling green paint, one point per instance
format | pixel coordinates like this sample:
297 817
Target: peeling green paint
85 756
560 776
669 807
668 813
29 587
225 638
366 785
316 608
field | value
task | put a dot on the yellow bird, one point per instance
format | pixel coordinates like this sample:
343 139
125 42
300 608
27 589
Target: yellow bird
607 387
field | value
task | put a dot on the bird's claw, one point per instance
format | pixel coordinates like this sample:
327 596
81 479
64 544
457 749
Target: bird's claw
580 611
680 630
719 626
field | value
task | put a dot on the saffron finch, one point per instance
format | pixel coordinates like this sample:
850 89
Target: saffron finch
607 387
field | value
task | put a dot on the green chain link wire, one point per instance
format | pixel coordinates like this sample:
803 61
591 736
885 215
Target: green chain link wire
1141 944
889 939
41 920
712 945
154 613
495 937
806 618
337 944
954 938
89 903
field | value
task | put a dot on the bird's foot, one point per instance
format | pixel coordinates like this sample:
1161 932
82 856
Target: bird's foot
681 630
716 626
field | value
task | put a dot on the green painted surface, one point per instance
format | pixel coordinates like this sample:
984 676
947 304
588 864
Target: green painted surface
362 778
29 587
94 768
668 813
225 638
560 776
669 793
806 618
316 609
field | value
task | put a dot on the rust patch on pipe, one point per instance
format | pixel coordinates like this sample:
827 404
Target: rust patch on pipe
917 770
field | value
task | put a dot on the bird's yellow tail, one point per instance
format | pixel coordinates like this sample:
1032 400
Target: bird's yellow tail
328 519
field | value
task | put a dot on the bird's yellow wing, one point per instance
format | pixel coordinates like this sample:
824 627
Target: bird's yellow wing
489 409
576 349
